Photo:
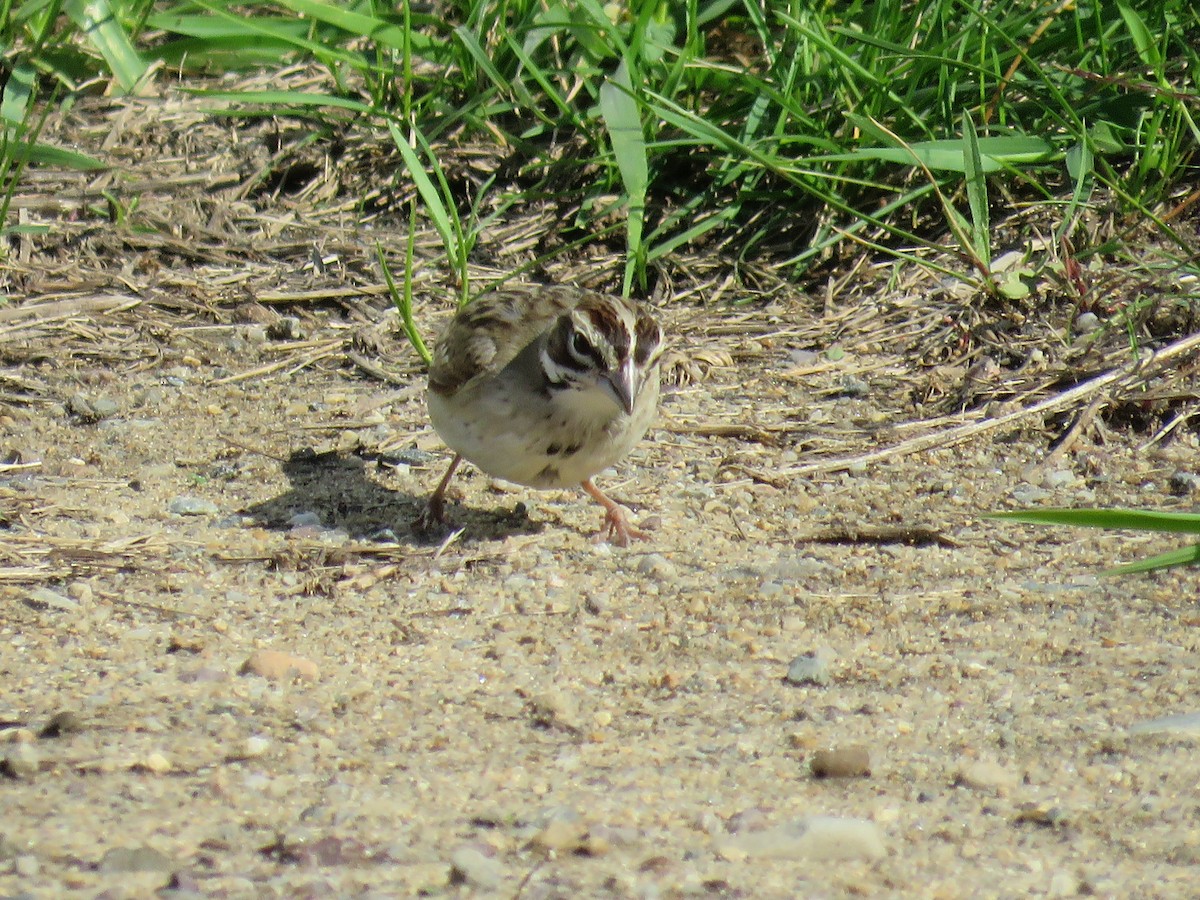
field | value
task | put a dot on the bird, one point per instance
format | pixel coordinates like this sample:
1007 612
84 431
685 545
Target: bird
545 386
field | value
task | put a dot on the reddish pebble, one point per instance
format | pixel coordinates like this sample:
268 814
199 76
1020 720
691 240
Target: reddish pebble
277 665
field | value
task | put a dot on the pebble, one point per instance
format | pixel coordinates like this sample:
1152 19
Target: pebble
61 723
1181 723
658 567
1058 478
804 357
286 328
20 762
26 865
471 866
553 709
1027 494
987 776
795 569
598 602
135 859
813 838
103 407
192 506
79 405
44 598
149 396
1041 814
810 668
155 763
853 386
1087 322
561 835
851 761
253 747
277 666
92 410
1065 884
1184 483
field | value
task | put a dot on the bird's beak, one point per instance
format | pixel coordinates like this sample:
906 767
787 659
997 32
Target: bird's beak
623 386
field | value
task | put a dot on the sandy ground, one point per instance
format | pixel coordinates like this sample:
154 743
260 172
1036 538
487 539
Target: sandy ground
526 712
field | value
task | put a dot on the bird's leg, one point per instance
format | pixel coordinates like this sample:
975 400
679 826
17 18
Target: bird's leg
433 516
616 519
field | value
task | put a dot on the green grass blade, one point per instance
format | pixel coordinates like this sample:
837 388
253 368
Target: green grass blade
444 216
977 195
97 20
1184 556
1143 39
623 120
56 157
995 154
403 300
278 101
1140 520
354 23
17 101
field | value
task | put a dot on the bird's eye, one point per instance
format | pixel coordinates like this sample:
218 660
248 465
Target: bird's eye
580 346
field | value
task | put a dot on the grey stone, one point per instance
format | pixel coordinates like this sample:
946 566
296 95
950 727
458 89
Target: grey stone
810 668
135 859
470 865
657 566
103 407
192 506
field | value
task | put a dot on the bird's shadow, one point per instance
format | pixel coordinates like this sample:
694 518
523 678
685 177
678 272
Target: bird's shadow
337 491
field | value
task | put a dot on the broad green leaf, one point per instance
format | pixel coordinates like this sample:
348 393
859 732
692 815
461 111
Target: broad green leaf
18 93
1013 286
226 54
215 27
1143 39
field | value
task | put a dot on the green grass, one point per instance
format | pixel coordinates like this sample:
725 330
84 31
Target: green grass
1127 519
784 131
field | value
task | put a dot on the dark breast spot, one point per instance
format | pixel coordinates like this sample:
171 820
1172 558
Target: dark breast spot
563 449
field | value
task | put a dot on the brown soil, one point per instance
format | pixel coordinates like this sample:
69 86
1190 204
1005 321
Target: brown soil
214 442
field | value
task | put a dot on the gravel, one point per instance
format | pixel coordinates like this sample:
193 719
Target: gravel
522 710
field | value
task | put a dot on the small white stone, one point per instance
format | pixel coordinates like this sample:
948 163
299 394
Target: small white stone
815 837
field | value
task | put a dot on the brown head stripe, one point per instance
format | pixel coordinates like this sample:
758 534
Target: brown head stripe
608 323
